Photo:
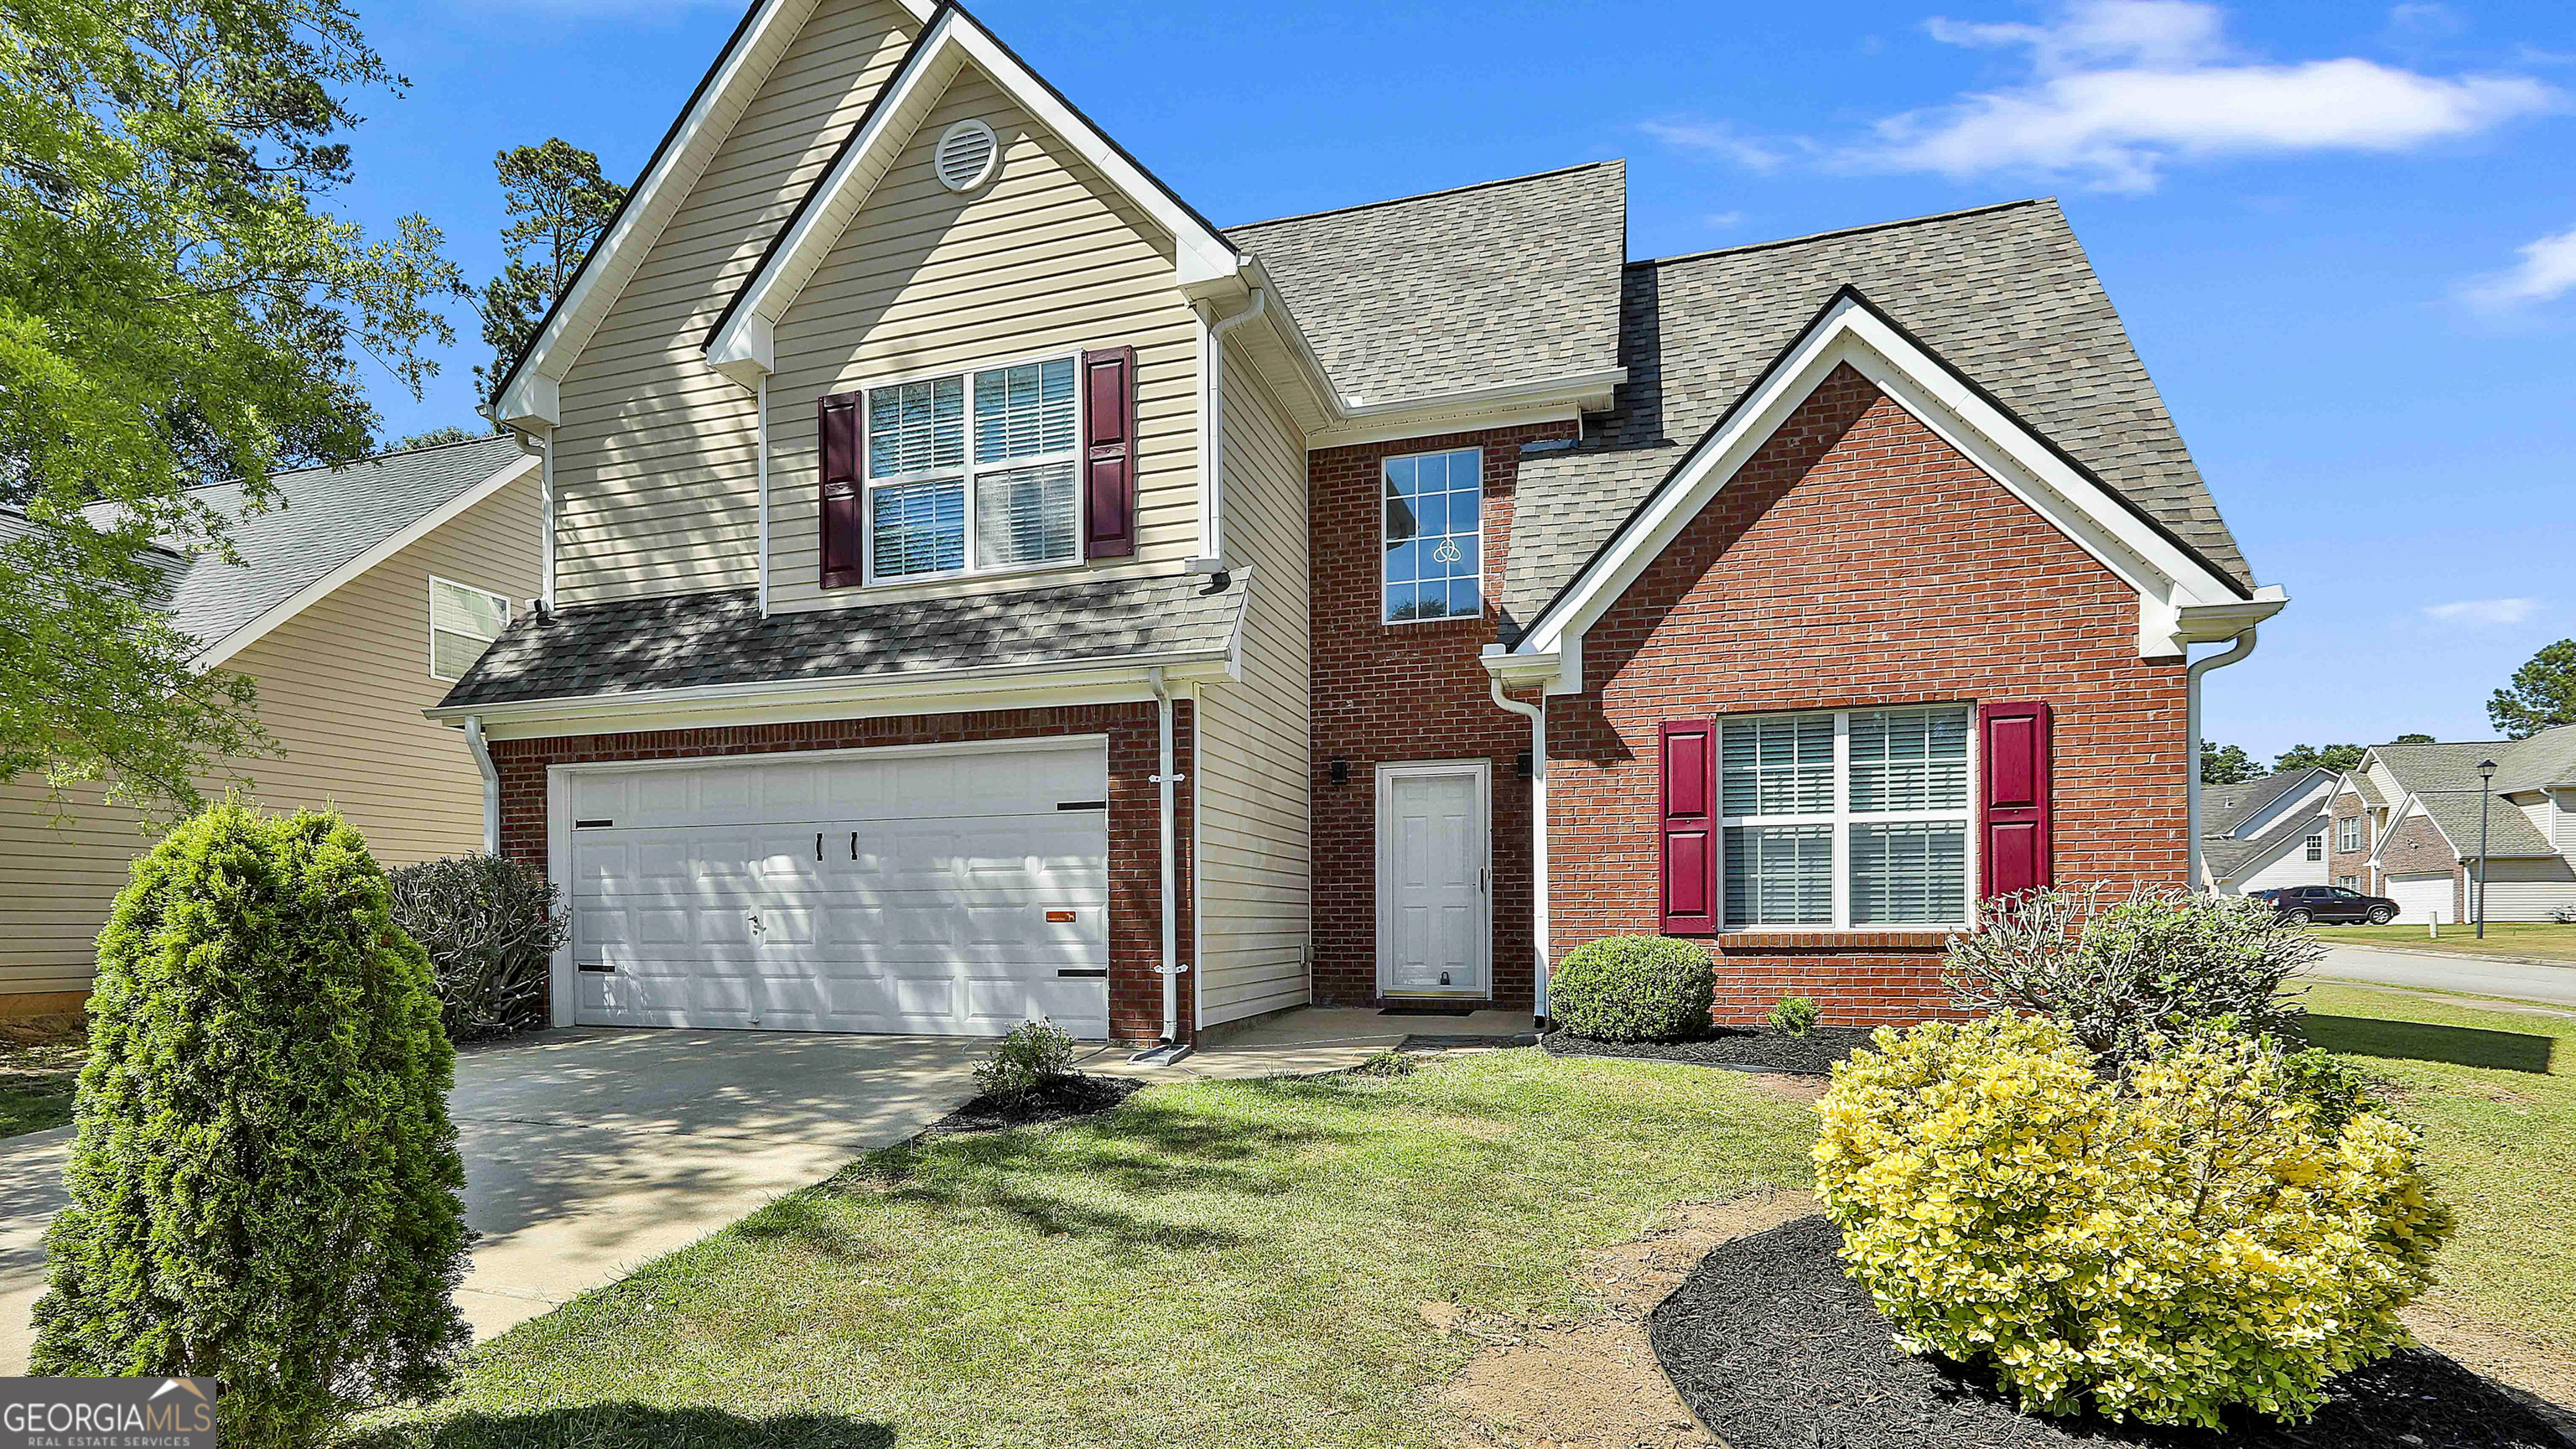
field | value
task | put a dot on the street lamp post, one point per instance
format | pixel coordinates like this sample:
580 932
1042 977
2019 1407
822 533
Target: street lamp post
2486 778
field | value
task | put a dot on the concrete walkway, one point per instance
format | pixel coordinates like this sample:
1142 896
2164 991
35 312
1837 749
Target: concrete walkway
2476 976
588 1152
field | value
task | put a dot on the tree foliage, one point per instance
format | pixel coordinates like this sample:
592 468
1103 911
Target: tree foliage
441 436
2225 764
2412 739
2332 757
2542 695
561 204
264 1180
175 307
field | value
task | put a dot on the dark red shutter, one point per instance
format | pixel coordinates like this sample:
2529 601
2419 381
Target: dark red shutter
1109 452
2014 764
836 427
1690 828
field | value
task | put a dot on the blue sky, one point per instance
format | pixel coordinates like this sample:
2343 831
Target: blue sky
2343 235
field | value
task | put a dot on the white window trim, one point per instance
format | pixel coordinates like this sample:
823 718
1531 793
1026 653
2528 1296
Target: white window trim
2315 846
508 615
967 471
1481 597
1842 817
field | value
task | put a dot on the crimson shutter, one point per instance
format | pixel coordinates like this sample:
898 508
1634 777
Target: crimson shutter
1690 828
836 427
1109 452
2014 740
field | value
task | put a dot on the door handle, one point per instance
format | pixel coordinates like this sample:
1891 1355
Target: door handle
756 926
1481 873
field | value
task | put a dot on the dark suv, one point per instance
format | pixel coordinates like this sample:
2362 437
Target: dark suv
2300 905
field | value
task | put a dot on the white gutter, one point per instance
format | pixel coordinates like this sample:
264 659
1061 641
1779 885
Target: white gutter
2243 646
482 751
1211 559
1169 1049
1537 716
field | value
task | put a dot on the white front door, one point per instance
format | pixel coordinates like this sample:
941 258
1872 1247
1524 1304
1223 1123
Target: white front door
1434 928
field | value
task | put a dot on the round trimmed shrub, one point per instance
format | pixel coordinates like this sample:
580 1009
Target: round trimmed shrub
2198 1233
1633 988
263 1179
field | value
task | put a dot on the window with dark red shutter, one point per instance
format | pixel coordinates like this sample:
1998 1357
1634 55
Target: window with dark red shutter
2014 822
1689 798
1109 452
836 425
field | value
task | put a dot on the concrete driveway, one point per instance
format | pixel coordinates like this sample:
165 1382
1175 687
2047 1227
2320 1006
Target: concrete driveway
590 1151
2443 971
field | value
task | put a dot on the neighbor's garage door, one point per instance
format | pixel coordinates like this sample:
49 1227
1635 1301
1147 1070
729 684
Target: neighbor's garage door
957 892
2421 898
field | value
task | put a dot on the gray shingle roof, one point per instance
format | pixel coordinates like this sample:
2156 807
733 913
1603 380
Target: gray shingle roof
2004 294
2422 768
2509 831
2224 807
2444 778
1510 281
2547 758
319 519
2227 856
682 641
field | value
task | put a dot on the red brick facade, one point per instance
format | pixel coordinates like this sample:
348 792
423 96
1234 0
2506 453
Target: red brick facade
1858 561
1135 920
2353 865
1388 693
2416 847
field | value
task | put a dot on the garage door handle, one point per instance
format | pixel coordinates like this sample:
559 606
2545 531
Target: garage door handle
596 967
1082 971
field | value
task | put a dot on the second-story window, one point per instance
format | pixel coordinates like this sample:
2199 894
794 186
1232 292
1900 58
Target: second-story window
2317 846
2348 833
976 465
1431 523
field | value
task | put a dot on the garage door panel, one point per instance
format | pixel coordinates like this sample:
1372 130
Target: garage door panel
2422 898
926 911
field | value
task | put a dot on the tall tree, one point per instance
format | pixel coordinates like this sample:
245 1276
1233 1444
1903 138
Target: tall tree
2542 694
2332 757
561 204
2225 764
176 306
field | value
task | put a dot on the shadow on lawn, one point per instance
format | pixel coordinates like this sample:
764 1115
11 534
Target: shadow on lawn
2417 1041
1140 1151
619 1426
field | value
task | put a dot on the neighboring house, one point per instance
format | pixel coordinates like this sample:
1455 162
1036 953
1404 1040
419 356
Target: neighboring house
2406 826
2267 833
979 586
361 594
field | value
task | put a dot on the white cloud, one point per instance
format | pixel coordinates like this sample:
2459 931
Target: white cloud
2121 88
2546 272
1717 138
1724 220
2483 611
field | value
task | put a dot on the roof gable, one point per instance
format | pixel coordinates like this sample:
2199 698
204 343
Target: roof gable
742 343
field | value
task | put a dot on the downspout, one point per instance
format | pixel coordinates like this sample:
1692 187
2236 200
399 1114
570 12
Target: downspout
761 452
546 501
1537 716
2243 646
1212 333
482 750
1170 1049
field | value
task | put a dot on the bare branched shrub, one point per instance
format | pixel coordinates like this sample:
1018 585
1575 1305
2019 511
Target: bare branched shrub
489 925
2118 968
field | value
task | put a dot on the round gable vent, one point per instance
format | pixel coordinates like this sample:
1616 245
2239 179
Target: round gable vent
965 155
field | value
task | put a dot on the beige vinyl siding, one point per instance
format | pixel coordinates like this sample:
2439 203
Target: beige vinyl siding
1047 258
656 460
341 687
1255 766
2528 888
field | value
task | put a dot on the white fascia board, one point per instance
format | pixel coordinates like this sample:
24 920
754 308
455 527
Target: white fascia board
1547 400
954 40
928 692
385 548
531 396
1849 332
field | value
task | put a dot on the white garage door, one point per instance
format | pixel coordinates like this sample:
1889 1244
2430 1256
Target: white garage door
957 892
2421 898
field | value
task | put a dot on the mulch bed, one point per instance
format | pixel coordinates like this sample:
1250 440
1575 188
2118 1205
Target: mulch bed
1077 1094
1773 1347
1743 1049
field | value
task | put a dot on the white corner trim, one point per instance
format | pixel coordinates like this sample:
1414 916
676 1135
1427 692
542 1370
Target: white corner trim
385 548
2176 588
953 41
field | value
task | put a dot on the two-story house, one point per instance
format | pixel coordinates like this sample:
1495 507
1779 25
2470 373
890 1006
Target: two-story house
980 586
2408 825
2267 833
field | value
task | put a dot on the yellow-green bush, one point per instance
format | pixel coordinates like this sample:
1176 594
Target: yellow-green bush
2191 1236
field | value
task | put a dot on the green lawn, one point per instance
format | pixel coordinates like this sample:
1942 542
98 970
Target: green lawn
2494 1093
1213 1264
2541 941
37 1077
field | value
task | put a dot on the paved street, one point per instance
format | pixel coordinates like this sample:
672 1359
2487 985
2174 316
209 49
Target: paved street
2441 971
